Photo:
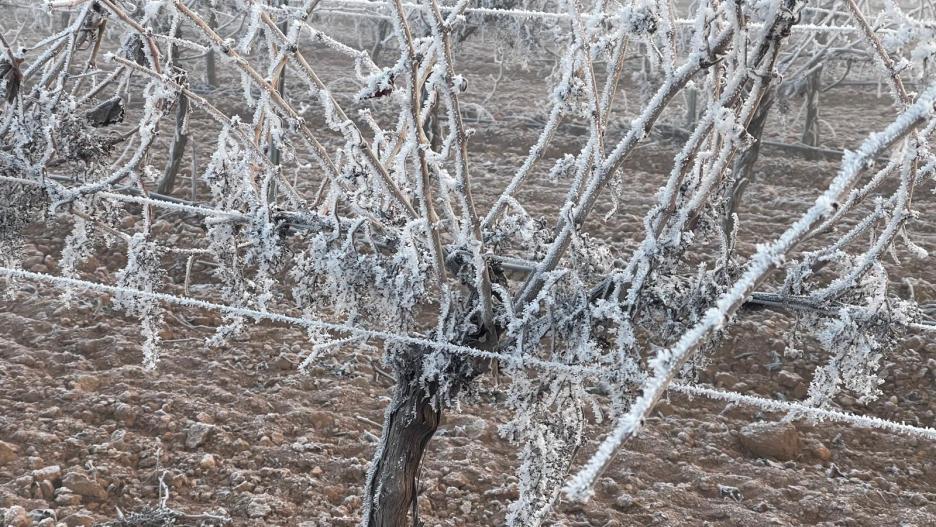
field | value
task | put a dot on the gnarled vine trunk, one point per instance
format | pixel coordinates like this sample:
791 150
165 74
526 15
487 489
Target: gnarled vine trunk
811 125
410 422
411 419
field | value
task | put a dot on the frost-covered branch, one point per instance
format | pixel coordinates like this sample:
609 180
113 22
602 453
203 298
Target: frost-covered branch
357 206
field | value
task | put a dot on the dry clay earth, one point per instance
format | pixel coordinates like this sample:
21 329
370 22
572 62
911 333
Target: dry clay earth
238 431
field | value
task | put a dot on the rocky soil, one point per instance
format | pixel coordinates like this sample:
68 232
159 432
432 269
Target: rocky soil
238 432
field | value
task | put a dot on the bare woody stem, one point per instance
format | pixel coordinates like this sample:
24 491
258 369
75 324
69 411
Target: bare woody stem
318 151
442 35
422 143
143 32
309 72
615 159
886 60
668 362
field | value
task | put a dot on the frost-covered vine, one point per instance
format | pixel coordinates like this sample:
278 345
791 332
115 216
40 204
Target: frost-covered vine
352 208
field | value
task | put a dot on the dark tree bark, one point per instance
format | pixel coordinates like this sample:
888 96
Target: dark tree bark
411 421
176 150
211 74
180 137
811 126
280 86
383 28
412 418
692 103
743 167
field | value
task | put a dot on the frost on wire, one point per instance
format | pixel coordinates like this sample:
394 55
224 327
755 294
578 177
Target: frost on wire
369 228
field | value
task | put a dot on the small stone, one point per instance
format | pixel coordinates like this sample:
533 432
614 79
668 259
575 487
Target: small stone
87 383
16 517
80 519
663 407
7 453
283 363
353 502
32 260
608 486
84 486
23 484
46 489
469 426
623 501
729 492
456 479
788 379
258 508
863 475
774 440
67 499
125 414
725 380
51 473
161 227
834 472
39 515
207 462
823 453
50 412
918 500
245 486
317 470
320 420
197 435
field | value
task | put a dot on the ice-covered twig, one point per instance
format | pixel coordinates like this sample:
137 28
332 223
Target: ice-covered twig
668 361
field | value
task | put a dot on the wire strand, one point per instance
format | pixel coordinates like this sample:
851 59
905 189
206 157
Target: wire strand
810 411
140 200
304 322
688 389
532 15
